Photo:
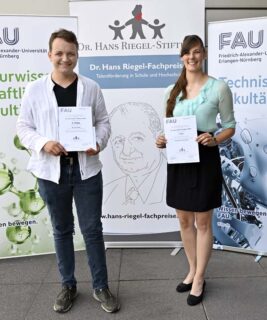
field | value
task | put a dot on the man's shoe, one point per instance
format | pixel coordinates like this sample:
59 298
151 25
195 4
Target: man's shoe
65 299
194 300
183 287
108 302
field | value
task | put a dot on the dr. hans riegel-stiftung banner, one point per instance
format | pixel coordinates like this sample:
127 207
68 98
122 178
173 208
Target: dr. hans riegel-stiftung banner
132 50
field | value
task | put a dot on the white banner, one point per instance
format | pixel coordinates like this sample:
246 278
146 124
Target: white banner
132 51
24 222
238 55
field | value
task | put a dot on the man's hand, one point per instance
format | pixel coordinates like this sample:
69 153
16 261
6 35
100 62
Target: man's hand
54 148
93 152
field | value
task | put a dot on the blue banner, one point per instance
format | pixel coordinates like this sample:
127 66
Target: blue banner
114 72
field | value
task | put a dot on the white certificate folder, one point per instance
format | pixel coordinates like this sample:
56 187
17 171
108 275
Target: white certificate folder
75 128
181 134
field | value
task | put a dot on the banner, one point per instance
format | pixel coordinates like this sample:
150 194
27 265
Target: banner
132 51
24 222
238 55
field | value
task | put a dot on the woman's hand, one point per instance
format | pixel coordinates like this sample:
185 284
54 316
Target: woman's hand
161 142
211 141
207 139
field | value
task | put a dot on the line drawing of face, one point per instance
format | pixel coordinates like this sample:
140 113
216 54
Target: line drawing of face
135 126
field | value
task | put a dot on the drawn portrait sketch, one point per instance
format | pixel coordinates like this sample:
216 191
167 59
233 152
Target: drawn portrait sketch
135 126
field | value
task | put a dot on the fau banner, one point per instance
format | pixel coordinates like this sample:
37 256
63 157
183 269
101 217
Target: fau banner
238 55
24 222
132 51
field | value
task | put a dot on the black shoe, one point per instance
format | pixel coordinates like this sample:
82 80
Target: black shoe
194 300
183 287
109 303
65 299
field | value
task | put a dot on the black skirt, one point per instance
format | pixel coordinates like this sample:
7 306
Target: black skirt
196 186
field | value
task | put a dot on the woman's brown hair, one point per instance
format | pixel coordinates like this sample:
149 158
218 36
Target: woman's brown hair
181 83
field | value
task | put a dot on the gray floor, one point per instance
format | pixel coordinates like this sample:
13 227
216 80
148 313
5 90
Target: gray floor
145 280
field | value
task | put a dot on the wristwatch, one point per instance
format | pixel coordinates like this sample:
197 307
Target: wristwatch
215 141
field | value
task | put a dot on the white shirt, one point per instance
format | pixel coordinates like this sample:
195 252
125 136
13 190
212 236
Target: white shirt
38 123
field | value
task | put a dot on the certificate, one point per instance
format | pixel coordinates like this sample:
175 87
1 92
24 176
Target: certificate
76 131
181 133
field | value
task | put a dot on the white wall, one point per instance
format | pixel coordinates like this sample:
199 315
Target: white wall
61 7
34 7
236 3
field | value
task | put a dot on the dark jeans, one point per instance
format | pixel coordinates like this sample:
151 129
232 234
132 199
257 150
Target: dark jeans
87 195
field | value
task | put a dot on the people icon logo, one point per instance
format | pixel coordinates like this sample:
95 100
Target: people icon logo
137 23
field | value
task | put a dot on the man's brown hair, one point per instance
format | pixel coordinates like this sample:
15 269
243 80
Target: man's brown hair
64 34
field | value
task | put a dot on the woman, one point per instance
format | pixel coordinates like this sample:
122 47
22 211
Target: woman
194 189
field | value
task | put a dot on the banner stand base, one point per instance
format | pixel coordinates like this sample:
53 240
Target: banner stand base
176 251
257 259
258 254
145 244
177 246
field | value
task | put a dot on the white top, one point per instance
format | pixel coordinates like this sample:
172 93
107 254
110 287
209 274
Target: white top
38 123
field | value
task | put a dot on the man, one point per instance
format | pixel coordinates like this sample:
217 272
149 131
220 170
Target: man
135 126
64 176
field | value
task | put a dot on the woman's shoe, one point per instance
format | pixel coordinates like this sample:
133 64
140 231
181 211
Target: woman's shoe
183 287
194 300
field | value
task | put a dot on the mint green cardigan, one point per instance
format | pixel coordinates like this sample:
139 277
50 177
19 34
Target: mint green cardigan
215 98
